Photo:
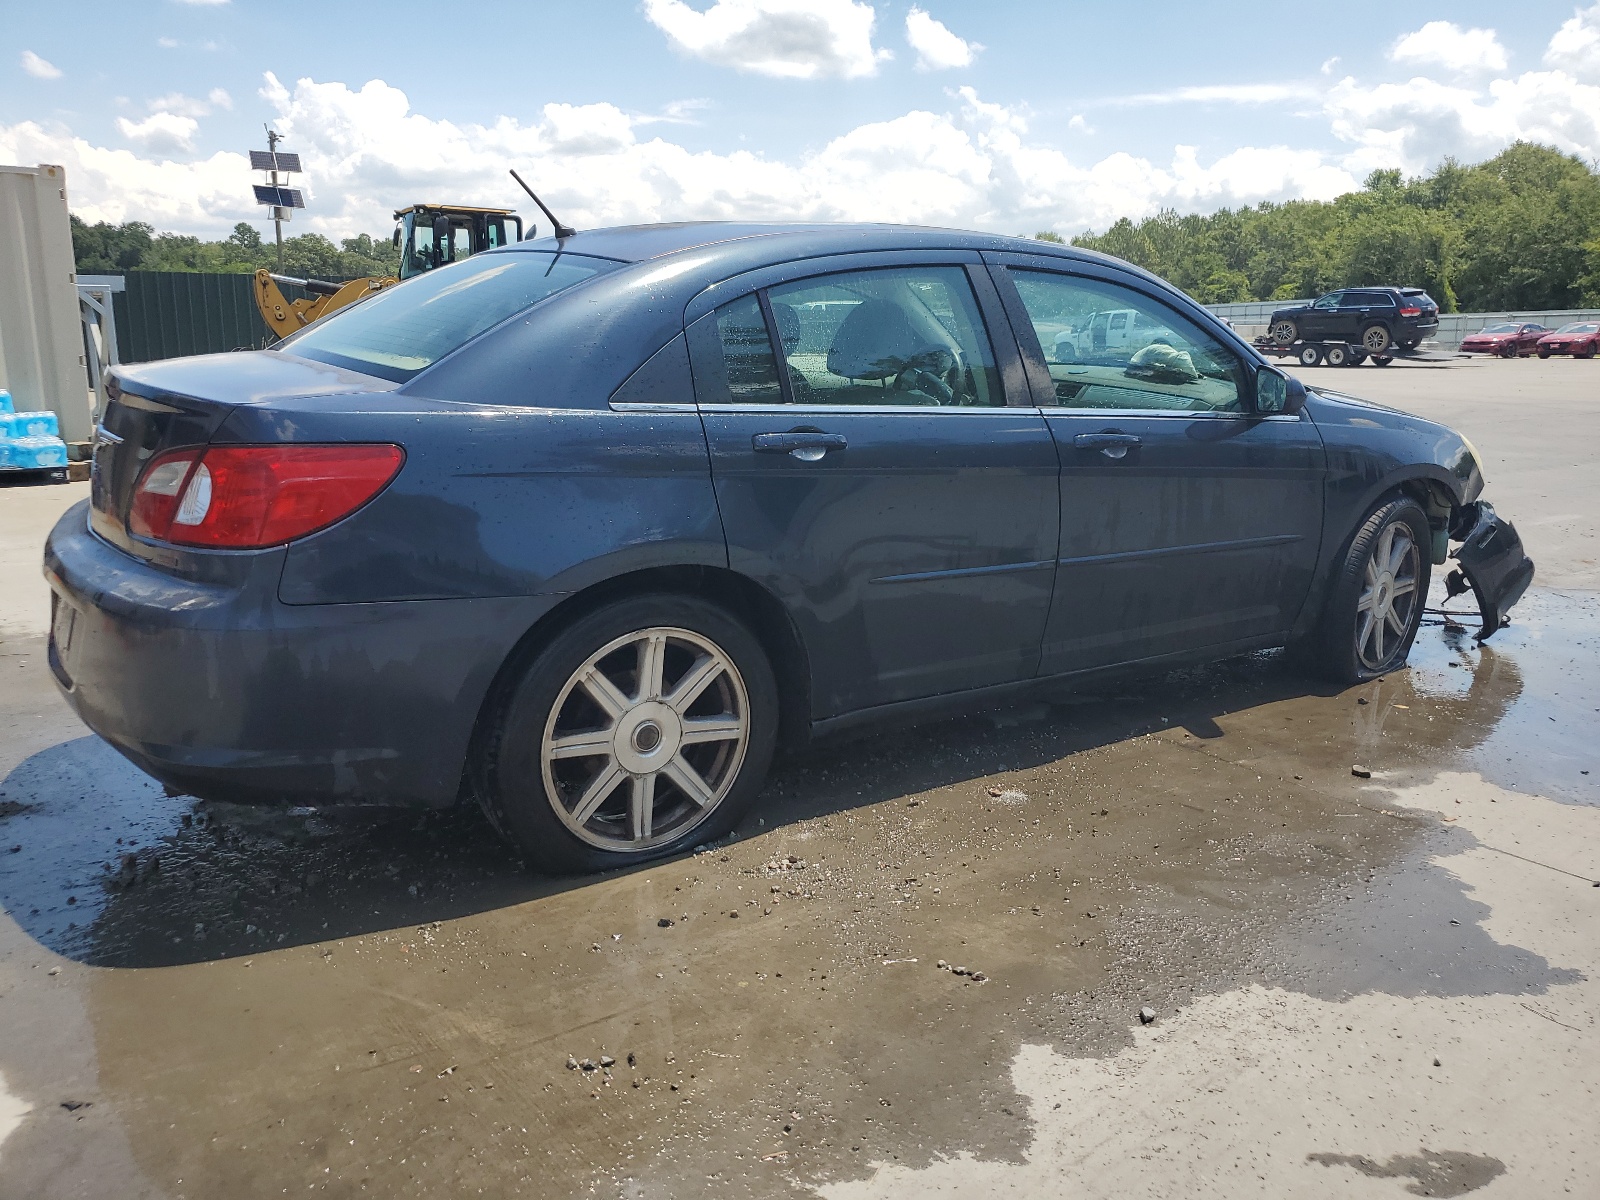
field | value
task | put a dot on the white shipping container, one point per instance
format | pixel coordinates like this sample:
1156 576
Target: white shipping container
41 334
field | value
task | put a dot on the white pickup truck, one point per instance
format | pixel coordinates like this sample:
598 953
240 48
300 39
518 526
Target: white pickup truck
1110 331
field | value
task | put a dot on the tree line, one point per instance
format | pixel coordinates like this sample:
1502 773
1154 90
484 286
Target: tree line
106 249
1519 231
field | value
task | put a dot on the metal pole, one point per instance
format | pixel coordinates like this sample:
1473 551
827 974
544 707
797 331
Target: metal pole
277 221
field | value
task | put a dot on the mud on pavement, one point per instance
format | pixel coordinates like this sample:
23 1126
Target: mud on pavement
918 968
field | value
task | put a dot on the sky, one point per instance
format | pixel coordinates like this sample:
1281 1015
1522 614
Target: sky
1007 116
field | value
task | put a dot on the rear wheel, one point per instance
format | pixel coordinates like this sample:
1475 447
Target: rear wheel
1338 355
1382 360
1284 333
1375 339
1310 356
1587 352
1375 606
645 727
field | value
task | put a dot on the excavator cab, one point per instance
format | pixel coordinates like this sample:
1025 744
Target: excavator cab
432 235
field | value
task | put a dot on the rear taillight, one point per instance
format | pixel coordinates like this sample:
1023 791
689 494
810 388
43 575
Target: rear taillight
247 497
1410 312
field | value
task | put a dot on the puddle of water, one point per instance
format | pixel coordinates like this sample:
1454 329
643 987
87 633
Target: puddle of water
12 1110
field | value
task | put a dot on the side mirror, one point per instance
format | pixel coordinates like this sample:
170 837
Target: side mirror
533 231
441 231
396 238
1278 393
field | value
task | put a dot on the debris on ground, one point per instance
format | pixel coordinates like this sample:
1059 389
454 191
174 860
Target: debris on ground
1146 1015
1361 772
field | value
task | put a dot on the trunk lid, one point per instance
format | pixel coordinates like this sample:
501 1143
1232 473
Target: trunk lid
154 407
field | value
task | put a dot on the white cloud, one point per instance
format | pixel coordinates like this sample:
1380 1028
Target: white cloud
1223 93
178 105
168 43
1329 64
38 67
1575 48
1414 124
365 153
161 132
788 39
937 48
1446 44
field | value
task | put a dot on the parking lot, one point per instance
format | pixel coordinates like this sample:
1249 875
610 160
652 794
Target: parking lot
1363 920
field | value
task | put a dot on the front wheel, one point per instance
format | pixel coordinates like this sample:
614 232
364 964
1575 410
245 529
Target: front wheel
1338 355
1543 353
1377 596
1284 333
641 729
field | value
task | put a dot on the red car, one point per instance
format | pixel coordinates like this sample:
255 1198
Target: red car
1579 339
1505 338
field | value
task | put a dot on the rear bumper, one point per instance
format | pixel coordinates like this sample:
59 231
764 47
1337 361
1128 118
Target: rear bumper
224 692
1493 563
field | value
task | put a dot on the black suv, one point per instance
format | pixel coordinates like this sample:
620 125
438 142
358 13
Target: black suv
1373 318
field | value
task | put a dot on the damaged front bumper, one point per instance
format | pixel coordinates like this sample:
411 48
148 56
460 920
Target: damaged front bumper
1492 562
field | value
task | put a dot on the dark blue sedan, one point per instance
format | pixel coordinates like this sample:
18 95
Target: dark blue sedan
586 530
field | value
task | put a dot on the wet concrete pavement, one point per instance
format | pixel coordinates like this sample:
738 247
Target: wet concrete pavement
206 1000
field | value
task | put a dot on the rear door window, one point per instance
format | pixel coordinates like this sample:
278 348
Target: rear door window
890 336
403 330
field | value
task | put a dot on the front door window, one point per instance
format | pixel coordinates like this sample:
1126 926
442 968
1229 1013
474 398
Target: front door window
1151 358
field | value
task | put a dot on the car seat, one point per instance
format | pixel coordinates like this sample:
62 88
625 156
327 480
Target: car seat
878 341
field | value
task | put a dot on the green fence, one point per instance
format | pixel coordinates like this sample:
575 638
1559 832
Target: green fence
170 314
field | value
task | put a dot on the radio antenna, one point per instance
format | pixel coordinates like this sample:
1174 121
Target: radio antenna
562 231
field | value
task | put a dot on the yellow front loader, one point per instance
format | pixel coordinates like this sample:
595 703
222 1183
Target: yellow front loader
284 316
427 235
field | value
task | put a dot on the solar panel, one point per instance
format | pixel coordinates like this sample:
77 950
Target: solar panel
262 160
280 197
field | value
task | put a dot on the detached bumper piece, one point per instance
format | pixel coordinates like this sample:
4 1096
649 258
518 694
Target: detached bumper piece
1492 564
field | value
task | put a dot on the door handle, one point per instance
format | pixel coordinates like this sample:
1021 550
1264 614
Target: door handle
808 445
1112 445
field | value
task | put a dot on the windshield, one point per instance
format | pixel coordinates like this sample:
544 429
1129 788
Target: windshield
1580 327
406 329
1502 327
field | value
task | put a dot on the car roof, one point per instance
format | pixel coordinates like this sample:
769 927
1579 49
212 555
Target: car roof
639 243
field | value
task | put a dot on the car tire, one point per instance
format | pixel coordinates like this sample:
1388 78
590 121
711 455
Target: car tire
574 730
1338 355
1543 353
1375 339
1382 360
1391 546
1589 353
1284 333
1310 355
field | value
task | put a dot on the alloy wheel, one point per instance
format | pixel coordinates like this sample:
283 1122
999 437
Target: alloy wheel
1375 339
1388 598
1284 332
645 739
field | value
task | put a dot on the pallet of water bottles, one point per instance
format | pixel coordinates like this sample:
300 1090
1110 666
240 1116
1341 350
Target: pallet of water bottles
30 443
